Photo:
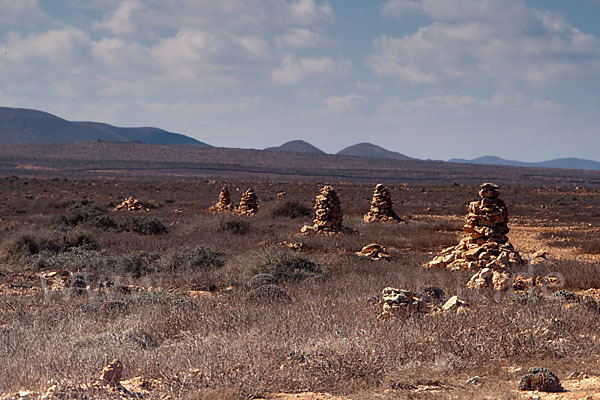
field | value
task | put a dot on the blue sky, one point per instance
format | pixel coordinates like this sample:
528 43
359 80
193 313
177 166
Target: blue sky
429 78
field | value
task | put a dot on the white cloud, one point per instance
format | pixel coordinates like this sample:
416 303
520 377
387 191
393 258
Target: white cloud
122 21
341 103
21 13
309 11
294 69
301 38
498 41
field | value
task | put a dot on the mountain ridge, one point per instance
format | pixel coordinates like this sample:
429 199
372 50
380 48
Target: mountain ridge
297 146
371 150
564 163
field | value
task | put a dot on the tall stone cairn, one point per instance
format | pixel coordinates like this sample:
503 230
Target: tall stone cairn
248 203
224 203
328 214
381 207
486 249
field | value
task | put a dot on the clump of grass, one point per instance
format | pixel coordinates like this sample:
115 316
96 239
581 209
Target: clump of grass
49 242
139 264
90 215
194 258
268 292
283 265
234 225
143 225
291 209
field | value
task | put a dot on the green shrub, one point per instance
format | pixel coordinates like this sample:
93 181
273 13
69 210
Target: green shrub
235 225
291 209
143 225
139 264
283 264
89 214
261 279
194 258
51 242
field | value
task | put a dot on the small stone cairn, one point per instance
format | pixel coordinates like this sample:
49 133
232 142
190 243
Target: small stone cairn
381 207
224 203
328 214
131 204
248 204
486 248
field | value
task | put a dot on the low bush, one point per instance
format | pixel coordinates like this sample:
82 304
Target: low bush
88 214
50 242
143 225
194 258
283 265
233 224
291 209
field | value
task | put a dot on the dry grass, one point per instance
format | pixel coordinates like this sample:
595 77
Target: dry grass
326 339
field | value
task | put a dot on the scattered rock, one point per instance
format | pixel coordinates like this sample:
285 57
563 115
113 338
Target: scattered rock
541 379
224 203
453 304
400 301
328 214
112 373
374 251
248 204
281 194
381 207
476 380
486 247
565 295
131 204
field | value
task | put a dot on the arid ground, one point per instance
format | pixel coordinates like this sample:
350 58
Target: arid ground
169 292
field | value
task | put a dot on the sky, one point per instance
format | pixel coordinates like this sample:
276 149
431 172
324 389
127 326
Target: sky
432 79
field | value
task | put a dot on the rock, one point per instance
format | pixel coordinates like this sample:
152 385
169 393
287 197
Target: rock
476 380
381 207
486 245
540 254
112 373
224 203
399 301
454 303
328 214
248 204
541 379
281 194
131 204
374 251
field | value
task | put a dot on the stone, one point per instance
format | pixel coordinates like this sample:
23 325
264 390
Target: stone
541 379
399 301
485 246
131 204
328 214
374 251
112 373
248 204
381 207
224 204
453 304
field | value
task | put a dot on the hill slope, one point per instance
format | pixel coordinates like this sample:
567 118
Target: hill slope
566 163
297 146
373 151
22 126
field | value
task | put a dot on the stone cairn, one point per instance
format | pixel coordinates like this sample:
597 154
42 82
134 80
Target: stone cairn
486 248
328 214
381 207
248 204
131 204
224 203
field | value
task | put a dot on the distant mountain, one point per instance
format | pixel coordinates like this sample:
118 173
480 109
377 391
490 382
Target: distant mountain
567 163
373 151
297 146
18 125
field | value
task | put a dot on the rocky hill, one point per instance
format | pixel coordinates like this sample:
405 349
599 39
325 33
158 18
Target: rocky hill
22 126
373 151
297 146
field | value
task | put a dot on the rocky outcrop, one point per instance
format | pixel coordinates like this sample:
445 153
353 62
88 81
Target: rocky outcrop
328 214
248 204
224 203
486 249
381 207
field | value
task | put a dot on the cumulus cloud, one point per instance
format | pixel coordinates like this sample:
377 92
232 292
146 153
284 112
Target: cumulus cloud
341 103
501 41
301 38
293 70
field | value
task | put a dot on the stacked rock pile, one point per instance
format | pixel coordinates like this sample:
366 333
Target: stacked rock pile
486 247
374 251
381 207
328 214
131 204
224 203
248 203
399 302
